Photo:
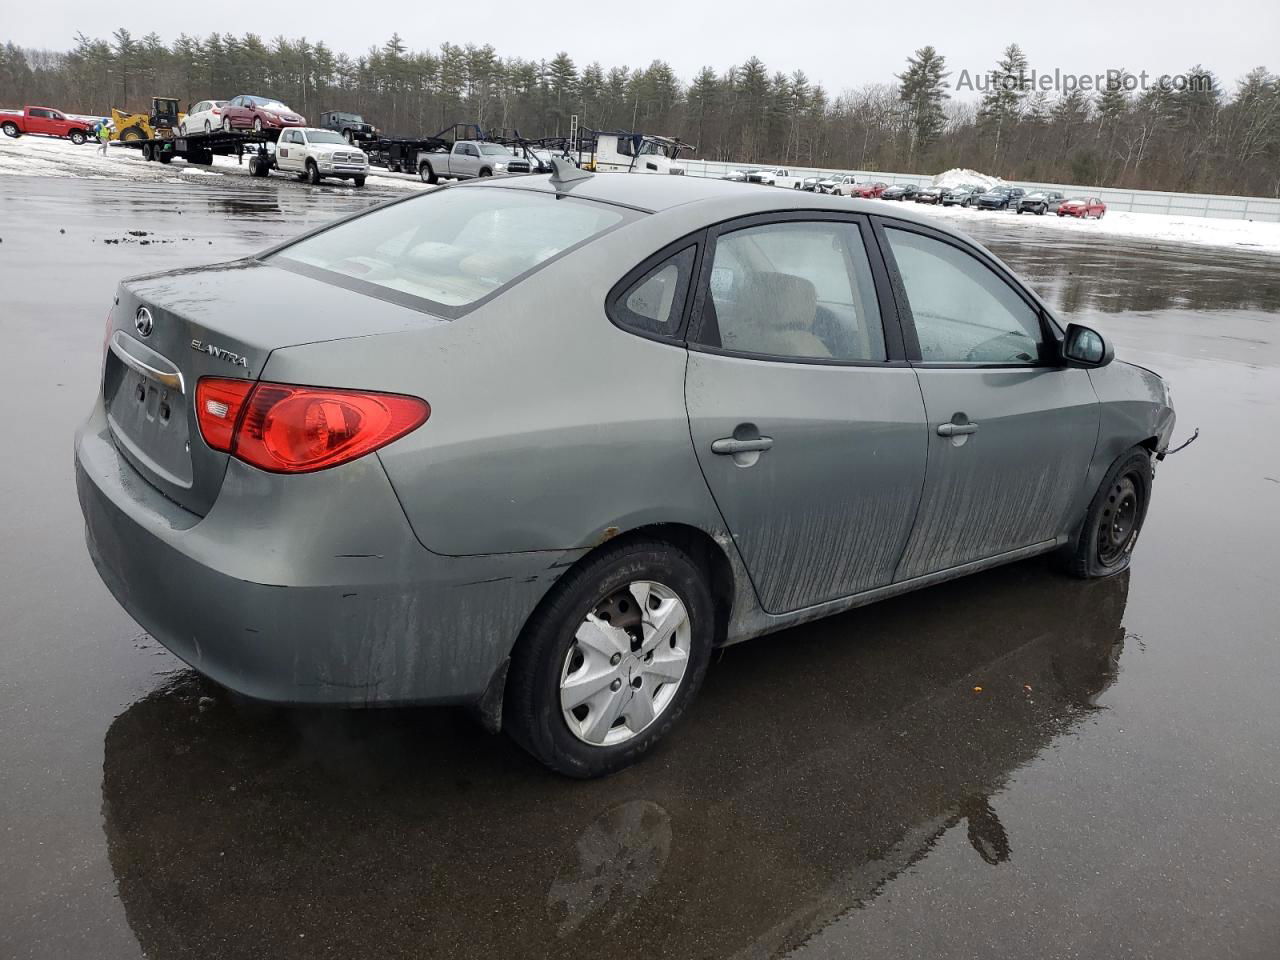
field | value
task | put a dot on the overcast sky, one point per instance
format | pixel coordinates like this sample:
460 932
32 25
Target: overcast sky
837 44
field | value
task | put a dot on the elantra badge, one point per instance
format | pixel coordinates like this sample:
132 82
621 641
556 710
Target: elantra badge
143 323
199 346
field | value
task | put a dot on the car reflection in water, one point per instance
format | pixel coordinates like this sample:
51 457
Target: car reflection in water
831 758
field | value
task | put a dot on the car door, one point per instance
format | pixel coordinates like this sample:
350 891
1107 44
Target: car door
464 160
38 121
288 150
1011 428
805 418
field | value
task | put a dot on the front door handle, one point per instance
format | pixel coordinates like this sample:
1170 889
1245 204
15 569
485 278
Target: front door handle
956 429
729 445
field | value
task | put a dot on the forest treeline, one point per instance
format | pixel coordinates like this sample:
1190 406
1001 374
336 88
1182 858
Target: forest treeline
1206 136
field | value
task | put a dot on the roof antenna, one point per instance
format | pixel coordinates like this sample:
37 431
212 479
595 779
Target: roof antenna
563 171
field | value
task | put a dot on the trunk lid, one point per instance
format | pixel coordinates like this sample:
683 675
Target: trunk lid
168 330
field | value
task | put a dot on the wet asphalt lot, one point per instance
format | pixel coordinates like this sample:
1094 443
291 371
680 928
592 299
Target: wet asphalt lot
839 790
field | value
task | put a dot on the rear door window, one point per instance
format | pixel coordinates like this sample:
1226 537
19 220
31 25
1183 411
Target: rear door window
448 250
794 289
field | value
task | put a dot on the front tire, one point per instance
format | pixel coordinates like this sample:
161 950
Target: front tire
1111 526
77 137
257 125
313 173
610 660
358 181
226 124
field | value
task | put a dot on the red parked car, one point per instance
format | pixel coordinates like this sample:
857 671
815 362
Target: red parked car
259 113
45 121
1082 207
868 190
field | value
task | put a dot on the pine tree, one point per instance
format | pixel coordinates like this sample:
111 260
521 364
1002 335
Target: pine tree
1007 89
922 89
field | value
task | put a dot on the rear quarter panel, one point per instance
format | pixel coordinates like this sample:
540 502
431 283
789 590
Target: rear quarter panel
550 427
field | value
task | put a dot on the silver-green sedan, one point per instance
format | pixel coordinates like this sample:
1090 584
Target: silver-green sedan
540 444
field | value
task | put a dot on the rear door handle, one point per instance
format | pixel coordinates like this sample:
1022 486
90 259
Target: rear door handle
956 429
729 445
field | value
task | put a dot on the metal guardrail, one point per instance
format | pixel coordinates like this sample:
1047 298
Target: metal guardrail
1134 201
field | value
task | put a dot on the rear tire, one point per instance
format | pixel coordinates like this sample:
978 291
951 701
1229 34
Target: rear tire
11 129
1105 542
208 128
257 125
426 174
538 708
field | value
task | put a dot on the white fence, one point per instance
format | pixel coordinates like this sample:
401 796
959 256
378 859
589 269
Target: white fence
1135 201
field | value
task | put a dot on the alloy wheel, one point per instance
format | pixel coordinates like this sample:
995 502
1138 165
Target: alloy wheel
626 663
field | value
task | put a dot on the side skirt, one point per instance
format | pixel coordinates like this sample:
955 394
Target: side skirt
756 623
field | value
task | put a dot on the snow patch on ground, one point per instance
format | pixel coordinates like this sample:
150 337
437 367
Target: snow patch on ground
30 156
46 157
961 177
1255 235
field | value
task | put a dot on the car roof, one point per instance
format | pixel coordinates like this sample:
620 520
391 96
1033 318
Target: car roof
656 192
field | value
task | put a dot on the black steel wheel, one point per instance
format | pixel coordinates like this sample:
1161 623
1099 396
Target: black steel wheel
1105 541
1118 525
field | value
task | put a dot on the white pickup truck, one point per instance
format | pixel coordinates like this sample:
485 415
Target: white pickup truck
468 159
777 177
313 154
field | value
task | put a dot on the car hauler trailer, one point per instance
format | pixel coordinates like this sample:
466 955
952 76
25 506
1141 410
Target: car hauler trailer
201 148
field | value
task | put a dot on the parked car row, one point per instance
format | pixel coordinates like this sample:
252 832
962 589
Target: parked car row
999 197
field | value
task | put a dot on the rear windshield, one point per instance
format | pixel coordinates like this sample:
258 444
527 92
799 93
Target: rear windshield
449 249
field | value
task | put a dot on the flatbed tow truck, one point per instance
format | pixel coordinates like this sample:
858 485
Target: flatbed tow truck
201 148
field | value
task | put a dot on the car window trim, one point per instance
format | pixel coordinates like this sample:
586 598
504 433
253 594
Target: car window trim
1049 328
894 345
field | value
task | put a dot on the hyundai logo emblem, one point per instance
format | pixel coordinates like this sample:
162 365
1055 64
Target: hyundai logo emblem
143 322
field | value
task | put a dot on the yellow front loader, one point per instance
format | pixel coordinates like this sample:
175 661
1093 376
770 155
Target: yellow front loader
161 122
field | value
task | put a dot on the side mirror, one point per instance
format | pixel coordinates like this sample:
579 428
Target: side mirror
1085 347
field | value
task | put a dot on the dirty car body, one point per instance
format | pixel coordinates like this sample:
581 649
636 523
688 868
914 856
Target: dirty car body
754 377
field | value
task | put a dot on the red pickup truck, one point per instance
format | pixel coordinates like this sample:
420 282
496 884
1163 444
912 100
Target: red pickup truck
45 121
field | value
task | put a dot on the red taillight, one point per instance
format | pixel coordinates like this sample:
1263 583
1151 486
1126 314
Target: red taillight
219 404
290 429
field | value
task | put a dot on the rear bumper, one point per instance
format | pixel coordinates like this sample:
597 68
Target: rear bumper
313 592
